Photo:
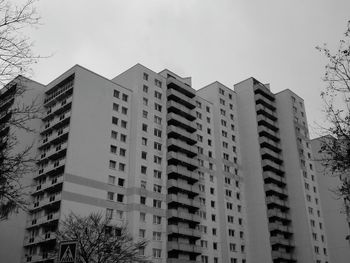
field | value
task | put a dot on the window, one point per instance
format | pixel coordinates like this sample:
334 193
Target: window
211 190
142 217
113 149
144 155
221 91
157 107
207 108
157 203
157 220
125 97
157 174
122 137
158 95
123 124
144 114
198 104
157 120
215 245
115 107
157 236
144 127
111 179
121 182
124 110
142 233
157 253
120 198
114 135
199 115
157 133
122 152
213 231
142 200
145 101
110 196
212 203
158 83
145 76
157 146
143 169
157 188
115 120
116 94
109 213
112 164
230 219
122 167
157 159
222 101
145 88
144 141
143 184
232 247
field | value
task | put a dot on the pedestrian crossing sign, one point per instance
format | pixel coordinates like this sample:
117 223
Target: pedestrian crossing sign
67 252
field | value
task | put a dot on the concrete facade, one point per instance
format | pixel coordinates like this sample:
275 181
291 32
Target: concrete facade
212 176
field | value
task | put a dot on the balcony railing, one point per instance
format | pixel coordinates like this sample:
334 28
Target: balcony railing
185 247
180 146
43 220
174 171
175 84
177 120
48 185
180 98
181 186
181 134
181 159
183 216
183 201
181 110
58 108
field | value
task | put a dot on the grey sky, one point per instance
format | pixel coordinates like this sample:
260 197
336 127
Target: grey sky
224 40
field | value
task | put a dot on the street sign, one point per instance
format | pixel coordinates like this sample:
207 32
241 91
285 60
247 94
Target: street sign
68 252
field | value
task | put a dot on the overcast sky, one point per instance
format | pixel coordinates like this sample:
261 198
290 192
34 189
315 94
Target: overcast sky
224 40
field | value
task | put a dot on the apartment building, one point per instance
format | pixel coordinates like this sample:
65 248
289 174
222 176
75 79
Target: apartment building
210 175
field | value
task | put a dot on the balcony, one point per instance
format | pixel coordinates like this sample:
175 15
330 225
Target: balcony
270 144
47 201
183 160
177 120
184 247
58 108
181 201
260 99
46 237
268 133
279 256
180 146
181 134
175 186
264 91
173 83
41 258
55 138
5 116
279 228
177 230
54 152
47 219
51 185
270 177
180 98
271 189
52 167
263 121
268 165
268 113
273 202
180 260
7 103
181 110
183 216
56 123
175 172
267 154
280 241
61 92
278 215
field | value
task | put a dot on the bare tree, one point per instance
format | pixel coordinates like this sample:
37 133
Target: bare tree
99 241
335 147
16 57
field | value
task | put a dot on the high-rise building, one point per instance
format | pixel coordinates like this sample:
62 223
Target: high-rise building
210 175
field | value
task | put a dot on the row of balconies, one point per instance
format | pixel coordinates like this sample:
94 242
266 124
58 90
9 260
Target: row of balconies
175 186
269 165
274 202
177 230
278 215
60 93
180 98
181 110
177 120
57 122
285 229
267 122
48 236
271 189
48 200
183 215
260 99
51 166
178 85
58 108
47 219
49 186
181 146
181 159
174 171
270 177
182 201
281 241
266 112
270 144
55 137
268 154
54 152
181 134
268 133
184 247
